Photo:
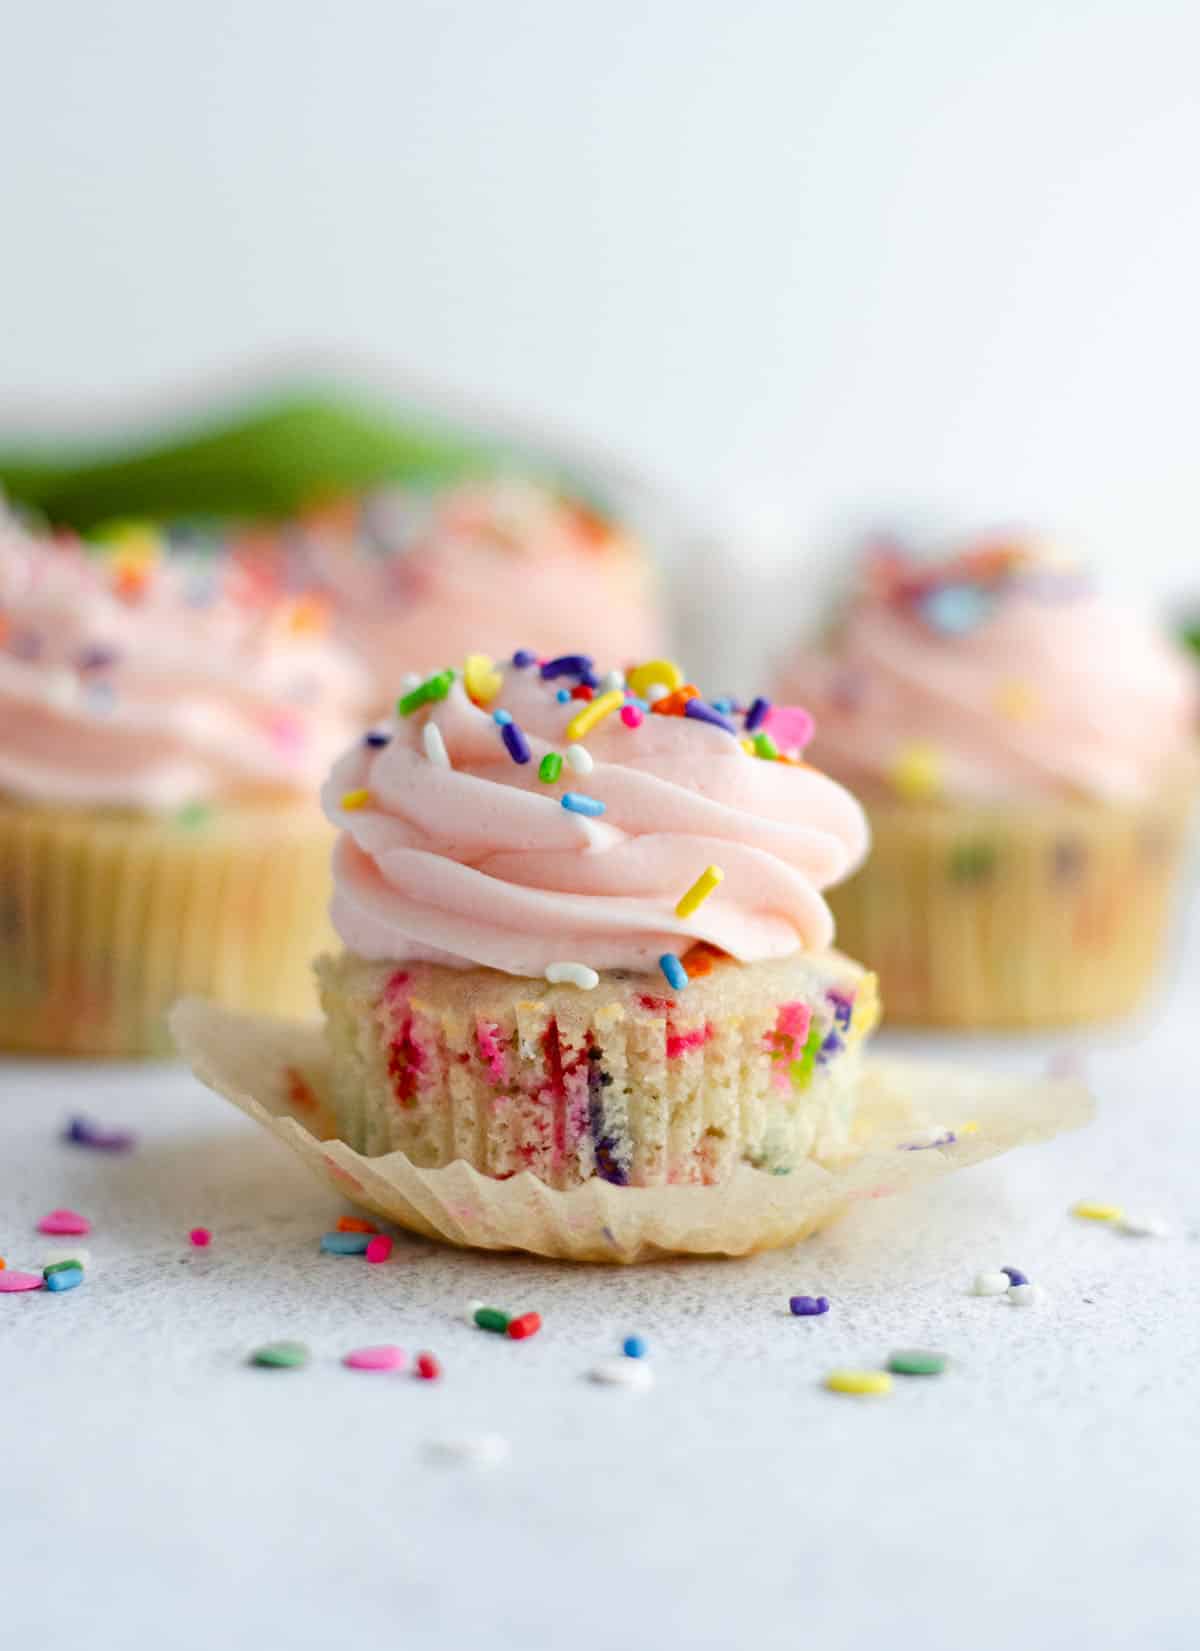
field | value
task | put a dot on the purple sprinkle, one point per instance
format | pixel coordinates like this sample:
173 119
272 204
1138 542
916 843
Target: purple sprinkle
843 1008
579 665
833 1045
83 1133
96 659
515 741
805 1307
376 740
522 659
1014 1275
700 712
757 713
946 1139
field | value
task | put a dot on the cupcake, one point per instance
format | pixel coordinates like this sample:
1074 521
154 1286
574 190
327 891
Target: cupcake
584 934
164 724
424 576
1026 754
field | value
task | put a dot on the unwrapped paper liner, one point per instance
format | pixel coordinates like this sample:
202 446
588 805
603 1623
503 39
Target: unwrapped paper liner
917 1120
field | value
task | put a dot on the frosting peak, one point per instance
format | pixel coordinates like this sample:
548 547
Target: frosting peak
470 839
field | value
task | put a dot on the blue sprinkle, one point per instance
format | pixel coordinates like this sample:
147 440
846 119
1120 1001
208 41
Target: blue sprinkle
501 717
677 977
377 740
806 1307
515 741
522 659
757 713
576 803
68 1279
345 1243
563 696
1015 1275
634 1347
956 609
579 665
723 705
700 712
642 704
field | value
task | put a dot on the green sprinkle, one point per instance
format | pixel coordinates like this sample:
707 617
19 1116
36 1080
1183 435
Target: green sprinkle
972 862
801 1071
281 1355
913 1363
60 1267
193 815
491 1318
434 687
550 768
765 747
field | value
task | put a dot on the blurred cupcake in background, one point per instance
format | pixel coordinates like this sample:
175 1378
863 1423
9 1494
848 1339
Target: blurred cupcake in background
164 724
422 576
1026 752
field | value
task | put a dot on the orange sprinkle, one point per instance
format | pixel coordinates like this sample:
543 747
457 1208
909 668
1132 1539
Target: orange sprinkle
3 1264
307 616
131 580
701 959
671 705
353 1224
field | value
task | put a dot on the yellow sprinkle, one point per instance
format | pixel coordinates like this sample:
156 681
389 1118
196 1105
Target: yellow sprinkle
858 1381
480 678
1017 700
356 799
747 746
971 1127
594 711
1097 1212
700 891
663 671
916 774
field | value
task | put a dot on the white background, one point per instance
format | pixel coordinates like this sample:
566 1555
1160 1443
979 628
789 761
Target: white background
806 263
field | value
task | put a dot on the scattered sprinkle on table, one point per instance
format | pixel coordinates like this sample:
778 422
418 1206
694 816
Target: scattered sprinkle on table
75 1253
280 1355
1143 1226
200 1237
491 1318
524 1326
63 1277
13 1282
470 1310
375 1358
858 1381
345 1243
355 1224
991 1284
572 974
1024 1295
708 880
64 1223
1014 1275
673 969
623 1372
82 1132
1087 1211
912 1362
379 1248
808 1306
427 1367
479 1450
634 1347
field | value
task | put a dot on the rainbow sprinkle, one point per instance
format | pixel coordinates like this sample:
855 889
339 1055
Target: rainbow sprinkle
515 742
700 890
576 803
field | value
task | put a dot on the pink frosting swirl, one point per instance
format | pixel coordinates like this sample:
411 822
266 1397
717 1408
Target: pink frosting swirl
478 863
151 684
1013 677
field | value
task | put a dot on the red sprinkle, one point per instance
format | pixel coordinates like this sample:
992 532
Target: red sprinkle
200 1237
631 716
354 1224
528 1324
380 1248
428 1368
582 691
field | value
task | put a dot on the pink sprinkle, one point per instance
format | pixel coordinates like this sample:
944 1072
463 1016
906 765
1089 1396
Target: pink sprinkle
678 1043
11 1282
200 1237
491 1050
287 731
380 1248
631 716
375 1358
790 726
65 1222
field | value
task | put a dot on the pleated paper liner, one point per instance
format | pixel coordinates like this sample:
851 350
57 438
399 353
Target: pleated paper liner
106 918
917 1121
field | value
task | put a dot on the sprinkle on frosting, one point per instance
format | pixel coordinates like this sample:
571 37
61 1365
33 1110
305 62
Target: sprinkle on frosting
708 880
572 974
356 799
435 745
582 723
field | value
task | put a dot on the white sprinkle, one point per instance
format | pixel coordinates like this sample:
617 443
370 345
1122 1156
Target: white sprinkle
1024 1295
435 746
409 681
611 680
470 1311
1143 1226
480 1450
572 974
579 760
991 1284
51 1258
624 1373
655 692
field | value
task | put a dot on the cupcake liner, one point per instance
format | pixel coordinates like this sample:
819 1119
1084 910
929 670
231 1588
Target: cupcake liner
106 919
916 1121
1051 914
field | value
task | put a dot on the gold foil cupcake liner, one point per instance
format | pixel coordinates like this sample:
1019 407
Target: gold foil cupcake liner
916 1121
107 918
1050 915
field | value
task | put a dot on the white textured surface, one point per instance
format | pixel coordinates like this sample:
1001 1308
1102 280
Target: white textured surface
156 1491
